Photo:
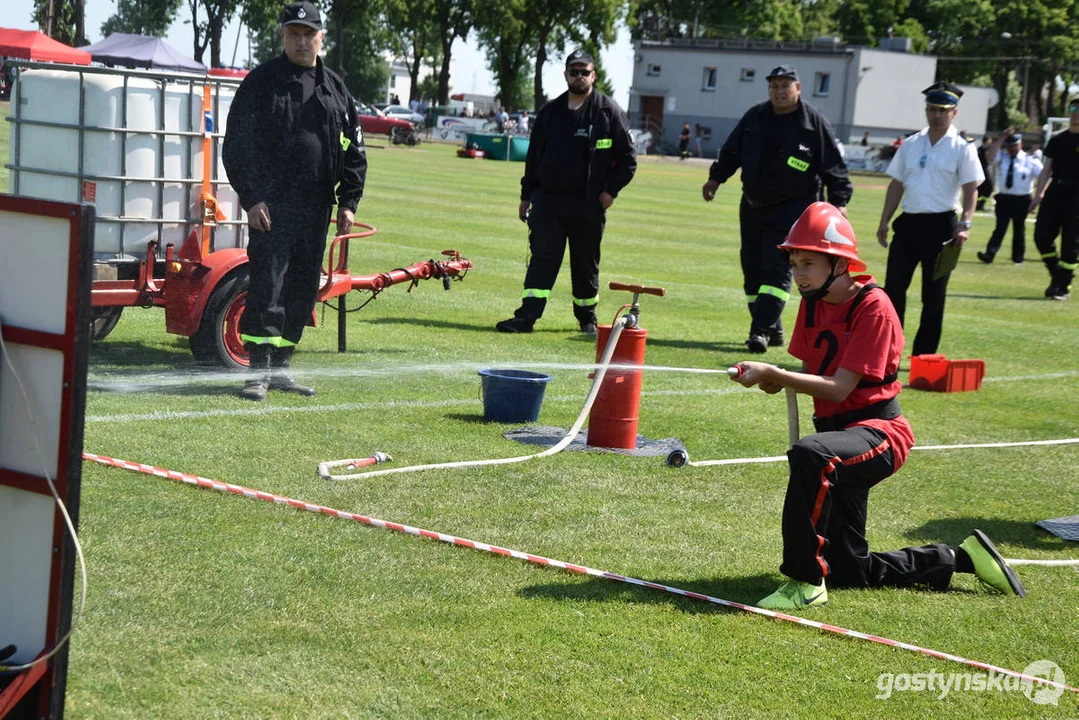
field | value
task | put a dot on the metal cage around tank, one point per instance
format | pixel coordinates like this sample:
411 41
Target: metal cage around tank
65 153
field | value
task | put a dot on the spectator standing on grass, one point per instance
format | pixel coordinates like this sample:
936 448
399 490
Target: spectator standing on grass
697 140
292 138
850 342
865 139
786 150
1058 195
1017 172
500 118
683 141
580 156
929 172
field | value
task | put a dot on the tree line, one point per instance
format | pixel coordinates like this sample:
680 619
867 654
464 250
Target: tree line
1028 51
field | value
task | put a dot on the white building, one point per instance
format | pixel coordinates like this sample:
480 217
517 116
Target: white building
712 82
399 84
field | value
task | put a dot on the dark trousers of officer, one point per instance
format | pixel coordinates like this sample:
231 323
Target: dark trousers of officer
1059 213
552 220
1010 209
286 266
918 239
763 229
824 516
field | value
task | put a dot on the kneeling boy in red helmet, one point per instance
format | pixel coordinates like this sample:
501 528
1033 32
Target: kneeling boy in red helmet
849 340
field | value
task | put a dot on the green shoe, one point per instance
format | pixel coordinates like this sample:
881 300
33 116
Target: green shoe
990 567
794 595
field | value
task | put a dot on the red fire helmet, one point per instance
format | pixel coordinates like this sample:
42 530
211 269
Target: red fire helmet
822 228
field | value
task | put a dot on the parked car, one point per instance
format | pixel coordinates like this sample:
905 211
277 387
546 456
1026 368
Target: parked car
400 111
375 122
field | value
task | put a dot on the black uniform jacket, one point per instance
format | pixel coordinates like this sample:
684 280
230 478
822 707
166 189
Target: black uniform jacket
770 176
612 157
266 106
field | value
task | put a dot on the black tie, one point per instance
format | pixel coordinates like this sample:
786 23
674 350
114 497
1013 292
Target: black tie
1011 168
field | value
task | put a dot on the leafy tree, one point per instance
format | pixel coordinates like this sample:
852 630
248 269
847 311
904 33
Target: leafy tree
66 22
453 19
207 33
414 34
502 29
356 40
142 17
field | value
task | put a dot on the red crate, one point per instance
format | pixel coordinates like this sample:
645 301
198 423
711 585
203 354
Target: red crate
939 374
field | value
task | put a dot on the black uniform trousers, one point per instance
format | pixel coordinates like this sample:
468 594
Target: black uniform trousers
552 221
918 239
1010 209
766 269
1059 213
286 267
824 516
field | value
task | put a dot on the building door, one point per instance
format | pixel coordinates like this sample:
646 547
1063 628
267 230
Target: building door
652 113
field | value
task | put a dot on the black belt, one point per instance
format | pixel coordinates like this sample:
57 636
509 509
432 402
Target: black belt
883 410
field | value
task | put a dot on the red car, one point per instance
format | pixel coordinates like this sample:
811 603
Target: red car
374 122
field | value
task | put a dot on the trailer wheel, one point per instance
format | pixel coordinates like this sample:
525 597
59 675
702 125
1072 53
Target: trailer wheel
218 337
103 320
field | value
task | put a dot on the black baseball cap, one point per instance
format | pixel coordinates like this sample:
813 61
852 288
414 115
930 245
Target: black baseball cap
783 71
1014 139
301 13
579 57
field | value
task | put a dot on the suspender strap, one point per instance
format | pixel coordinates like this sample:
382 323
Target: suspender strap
811 306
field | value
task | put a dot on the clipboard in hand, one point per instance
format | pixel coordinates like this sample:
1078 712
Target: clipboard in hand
947 259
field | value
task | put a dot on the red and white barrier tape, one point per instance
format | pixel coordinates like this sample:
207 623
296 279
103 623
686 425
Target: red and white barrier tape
539 560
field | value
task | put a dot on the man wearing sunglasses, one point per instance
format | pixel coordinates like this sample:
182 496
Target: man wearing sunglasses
786 150
1059 207
928 172
580 156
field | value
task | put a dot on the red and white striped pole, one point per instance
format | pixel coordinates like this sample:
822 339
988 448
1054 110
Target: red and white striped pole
540 560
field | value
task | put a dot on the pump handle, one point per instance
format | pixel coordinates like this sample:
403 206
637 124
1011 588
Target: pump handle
639 289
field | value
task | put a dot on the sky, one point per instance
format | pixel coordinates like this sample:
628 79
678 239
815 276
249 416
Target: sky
470 75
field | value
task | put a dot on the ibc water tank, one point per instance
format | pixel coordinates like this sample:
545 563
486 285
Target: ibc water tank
141 153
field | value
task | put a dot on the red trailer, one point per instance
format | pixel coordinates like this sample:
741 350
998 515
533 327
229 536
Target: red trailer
144 148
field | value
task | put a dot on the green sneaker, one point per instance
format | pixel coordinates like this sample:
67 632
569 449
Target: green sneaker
990 567
794 595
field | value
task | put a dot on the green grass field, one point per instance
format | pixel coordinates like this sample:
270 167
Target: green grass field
203 605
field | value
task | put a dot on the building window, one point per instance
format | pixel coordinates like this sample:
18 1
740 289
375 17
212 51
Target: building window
748 74
708 81
654 70
822 83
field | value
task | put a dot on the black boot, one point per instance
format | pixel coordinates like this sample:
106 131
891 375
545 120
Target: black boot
280 379
524 317
259 380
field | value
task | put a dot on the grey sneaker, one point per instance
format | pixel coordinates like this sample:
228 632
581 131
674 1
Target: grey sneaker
286 383
255 389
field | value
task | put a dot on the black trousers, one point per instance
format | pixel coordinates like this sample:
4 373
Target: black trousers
286 267
1011 209
766 270
917 240
824 516
553 221
1059 213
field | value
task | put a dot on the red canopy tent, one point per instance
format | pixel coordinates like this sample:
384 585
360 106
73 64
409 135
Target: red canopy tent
34 45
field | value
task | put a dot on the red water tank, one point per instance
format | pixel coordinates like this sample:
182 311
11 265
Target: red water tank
612 422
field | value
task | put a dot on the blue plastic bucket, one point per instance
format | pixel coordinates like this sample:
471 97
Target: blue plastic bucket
512 396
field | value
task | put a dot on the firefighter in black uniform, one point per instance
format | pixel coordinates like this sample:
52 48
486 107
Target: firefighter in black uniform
580 156
786 150
292 138
1060 207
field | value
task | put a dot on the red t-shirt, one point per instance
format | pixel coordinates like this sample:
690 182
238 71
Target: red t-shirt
871 344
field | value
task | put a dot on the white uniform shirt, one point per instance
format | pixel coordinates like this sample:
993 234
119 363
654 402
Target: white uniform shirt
932 175
1027 170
